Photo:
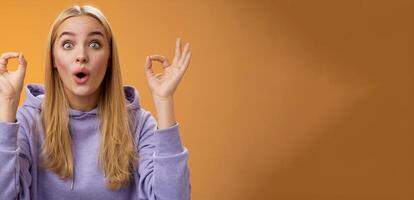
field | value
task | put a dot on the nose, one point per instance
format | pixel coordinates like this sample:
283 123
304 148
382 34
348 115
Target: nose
81 59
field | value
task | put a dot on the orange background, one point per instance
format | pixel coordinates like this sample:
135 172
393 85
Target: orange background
282 100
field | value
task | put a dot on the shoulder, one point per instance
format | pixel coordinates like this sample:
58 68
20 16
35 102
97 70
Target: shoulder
141 118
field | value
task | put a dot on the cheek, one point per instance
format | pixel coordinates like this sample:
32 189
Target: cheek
63 68
101 62
60 61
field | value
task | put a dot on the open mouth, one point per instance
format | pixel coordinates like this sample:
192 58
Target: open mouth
81 78
80 75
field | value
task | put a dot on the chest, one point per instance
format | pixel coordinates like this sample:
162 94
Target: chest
88 181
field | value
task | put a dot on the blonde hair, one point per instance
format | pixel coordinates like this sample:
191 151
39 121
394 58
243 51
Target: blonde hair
117 156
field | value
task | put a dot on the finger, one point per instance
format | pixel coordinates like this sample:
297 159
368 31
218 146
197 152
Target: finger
8 55
177 50
184 55
3 64
22 64
148 67
2 70
186 62
4 60
162 59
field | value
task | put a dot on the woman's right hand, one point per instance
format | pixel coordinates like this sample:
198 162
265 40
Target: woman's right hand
11 84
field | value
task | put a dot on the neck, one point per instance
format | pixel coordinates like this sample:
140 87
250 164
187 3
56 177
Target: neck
83 103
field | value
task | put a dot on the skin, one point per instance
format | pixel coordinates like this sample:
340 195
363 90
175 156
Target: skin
164 84
79 50
11 84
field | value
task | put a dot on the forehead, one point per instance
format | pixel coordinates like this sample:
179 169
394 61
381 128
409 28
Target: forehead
80 25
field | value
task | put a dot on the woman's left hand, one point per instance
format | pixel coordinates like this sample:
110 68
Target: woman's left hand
164 84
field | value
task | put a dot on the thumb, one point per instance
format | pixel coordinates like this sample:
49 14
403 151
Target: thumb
148 67
21 68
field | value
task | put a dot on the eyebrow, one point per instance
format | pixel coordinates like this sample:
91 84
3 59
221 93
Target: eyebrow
73 34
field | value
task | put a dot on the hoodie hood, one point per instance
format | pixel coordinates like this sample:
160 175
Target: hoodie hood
35 94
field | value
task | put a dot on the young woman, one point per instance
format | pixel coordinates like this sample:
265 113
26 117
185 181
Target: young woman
83 135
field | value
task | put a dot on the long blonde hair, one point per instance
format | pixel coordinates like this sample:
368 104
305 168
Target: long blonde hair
117 155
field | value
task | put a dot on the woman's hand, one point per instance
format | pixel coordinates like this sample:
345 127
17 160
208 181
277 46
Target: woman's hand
163 85
11 84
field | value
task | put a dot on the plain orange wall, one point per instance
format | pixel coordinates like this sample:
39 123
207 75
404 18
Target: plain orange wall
282 100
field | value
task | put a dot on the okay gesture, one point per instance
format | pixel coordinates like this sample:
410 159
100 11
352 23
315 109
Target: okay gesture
164 84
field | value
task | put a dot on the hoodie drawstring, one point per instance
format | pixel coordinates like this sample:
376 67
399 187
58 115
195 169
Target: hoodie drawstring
73 180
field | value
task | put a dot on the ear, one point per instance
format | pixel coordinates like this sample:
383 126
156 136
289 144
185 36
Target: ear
54 63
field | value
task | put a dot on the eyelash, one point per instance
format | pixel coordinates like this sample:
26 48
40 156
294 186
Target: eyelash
93 41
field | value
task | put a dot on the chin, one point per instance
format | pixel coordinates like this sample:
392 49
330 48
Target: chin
83 90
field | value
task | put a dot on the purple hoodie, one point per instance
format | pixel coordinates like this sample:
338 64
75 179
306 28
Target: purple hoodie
162 172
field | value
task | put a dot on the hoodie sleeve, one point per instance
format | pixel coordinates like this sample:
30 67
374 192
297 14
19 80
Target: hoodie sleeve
163 172
15 178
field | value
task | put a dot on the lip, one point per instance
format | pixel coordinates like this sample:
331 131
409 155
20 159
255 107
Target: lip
83 79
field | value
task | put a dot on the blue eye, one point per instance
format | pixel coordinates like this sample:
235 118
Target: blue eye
67 45
95 45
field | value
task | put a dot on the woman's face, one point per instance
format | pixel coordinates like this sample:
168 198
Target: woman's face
80 53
